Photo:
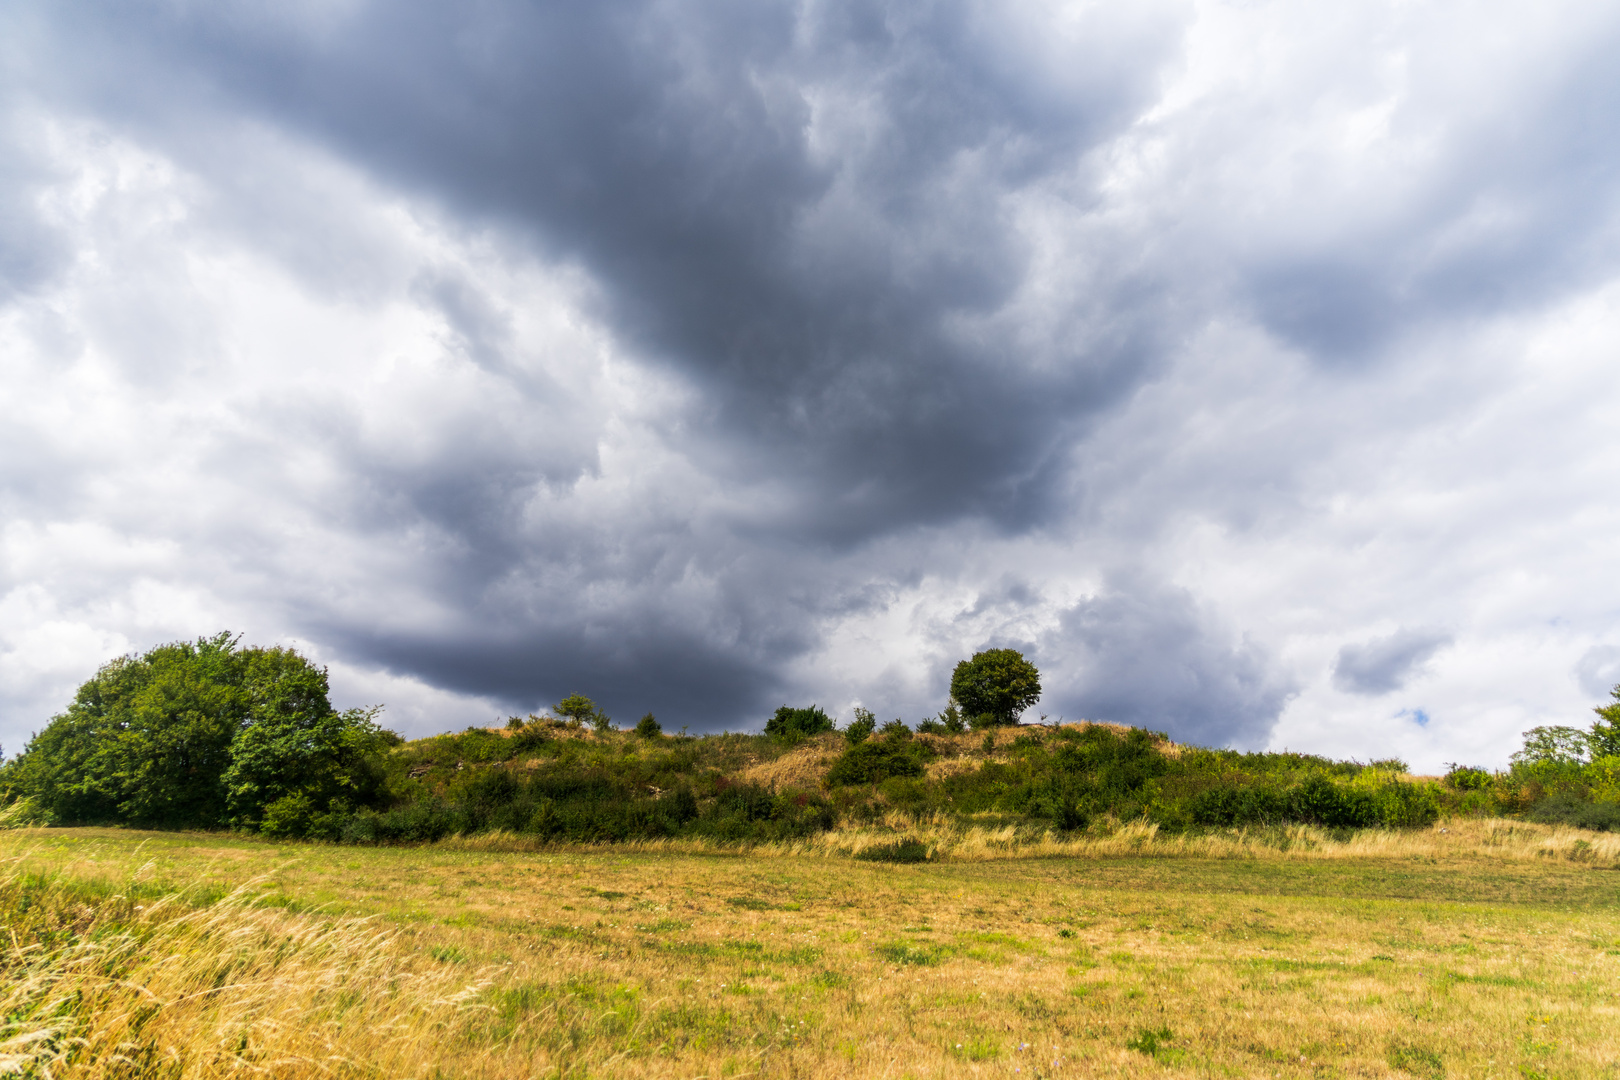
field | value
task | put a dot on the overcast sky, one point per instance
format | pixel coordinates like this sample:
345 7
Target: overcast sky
1252 367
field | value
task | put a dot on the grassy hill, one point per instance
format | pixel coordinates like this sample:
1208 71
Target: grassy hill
562 781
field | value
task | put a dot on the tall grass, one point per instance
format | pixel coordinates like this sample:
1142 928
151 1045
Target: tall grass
950 838
102 984
613 963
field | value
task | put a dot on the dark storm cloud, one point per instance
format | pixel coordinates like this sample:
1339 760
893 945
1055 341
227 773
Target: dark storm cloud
1145 654
1386 663
797 205
802 208
898 261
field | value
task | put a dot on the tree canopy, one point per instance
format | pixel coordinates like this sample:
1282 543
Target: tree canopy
200 734
995 686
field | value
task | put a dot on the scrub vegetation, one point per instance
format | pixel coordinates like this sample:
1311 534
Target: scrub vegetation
211 735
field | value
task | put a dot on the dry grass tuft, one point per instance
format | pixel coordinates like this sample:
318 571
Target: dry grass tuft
805 766
954 839
124 989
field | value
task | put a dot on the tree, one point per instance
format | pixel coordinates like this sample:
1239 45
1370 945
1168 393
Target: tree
582 710
1553 745
327 760
648 727
794 724
1605 736
194 734
995 686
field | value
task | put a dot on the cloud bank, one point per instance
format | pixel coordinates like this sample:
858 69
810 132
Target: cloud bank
703 357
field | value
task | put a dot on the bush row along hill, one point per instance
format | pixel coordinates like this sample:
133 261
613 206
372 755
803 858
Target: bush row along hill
210 735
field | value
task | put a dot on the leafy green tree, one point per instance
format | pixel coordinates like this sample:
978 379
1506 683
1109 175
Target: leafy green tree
1553 745
582 710
1605 736
995 686
145 740
325 760
793 724
155 739
648 727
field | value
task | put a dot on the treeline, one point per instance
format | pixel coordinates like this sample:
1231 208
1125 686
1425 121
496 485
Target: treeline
211 735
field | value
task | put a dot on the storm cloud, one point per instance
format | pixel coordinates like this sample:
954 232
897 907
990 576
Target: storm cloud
1386 663
699 357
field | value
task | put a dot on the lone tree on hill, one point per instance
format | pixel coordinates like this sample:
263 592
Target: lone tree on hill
995 686
582 710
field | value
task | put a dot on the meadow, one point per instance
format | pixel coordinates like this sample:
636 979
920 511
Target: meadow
1479 948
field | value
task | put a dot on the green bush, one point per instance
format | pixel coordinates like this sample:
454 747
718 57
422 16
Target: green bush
901 851
648 727
1468 778
1568 809
876 760
950 721
794 724
861 728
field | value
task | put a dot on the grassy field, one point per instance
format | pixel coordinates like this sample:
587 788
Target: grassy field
1490 950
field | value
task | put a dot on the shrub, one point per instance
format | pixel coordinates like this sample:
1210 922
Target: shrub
1467 777
1249 804
794 724
876 760
1568 809
901 851
996 683
950 721
861 728
1319 801
895 729
648 727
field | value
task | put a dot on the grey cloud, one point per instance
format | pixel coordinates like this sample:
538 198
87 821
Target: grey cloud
1522 205
1147 654
1384 664
1598 671
811 272
894 258
31 250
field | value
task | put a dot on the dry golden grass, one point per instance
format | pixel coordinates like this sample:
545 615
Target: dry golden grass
1462 953
957 839
116 989
805 766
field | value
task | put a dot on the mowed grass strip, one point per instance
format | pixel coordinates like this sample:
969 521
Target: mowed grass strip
622 964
